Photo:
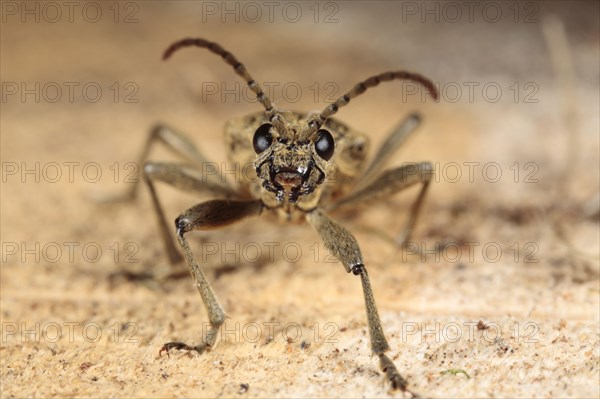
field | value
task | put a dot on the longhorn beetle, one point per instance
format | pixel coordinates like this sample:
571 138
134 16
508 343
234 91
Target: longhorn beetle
292 154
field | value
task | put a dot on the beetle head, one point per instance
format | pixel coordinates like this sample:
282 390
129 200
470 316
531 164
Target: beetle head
291 166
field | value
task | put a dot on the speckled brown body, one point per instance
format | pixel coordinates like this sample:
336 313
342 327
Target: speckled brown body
298 165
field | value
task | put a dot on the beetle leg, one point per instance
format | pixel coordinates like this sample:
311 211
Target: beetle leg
183 177
390 182
342 244
204 216
175 141
394 141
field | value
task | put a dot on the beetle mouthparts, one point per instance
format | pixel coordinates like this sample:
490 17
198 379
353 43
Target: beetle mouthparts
291 179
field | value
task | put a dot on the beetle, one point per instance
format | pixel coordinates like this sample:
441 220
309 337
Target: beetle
293 155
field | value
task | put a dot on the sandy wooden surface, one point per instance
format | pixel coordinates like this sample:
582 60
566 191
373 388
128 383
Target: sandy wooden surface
513 313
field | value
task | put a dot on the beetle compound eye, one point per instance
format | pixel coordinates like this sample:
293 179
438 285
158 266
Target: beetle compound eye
324 144
262 138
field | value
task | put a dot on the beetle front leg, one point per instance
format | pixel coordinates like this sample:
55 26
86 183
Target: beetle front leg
342 244
204 216
185 178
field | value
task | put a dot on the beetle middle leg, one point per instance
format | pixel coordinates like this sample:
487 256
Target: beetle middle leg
176 142
342 244
205 216
392 143
390 182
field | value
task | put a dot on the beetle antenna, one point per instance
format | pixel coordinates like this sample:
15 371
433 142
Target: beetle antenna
239 69
317 121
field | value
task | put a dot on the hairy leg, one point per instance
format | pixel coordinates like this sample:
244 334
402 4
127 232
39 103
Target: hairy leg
205 216
389 183
389 147
342 244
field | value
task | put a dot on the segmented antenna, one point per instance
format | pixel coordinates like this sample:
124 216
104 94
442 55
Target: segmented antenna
316 122
239 69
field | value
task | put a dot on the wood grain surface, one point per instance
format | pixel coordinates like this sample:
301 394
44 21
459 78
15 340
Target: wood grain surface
507 306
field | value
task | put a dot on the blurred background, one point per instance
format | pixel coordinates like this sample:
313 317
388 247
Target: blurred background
510 224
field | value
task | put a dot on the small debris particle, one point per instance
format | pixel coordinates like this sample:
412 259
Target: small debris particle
560 338
244 388
304 345
502 347
482 326
84 366
455 372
